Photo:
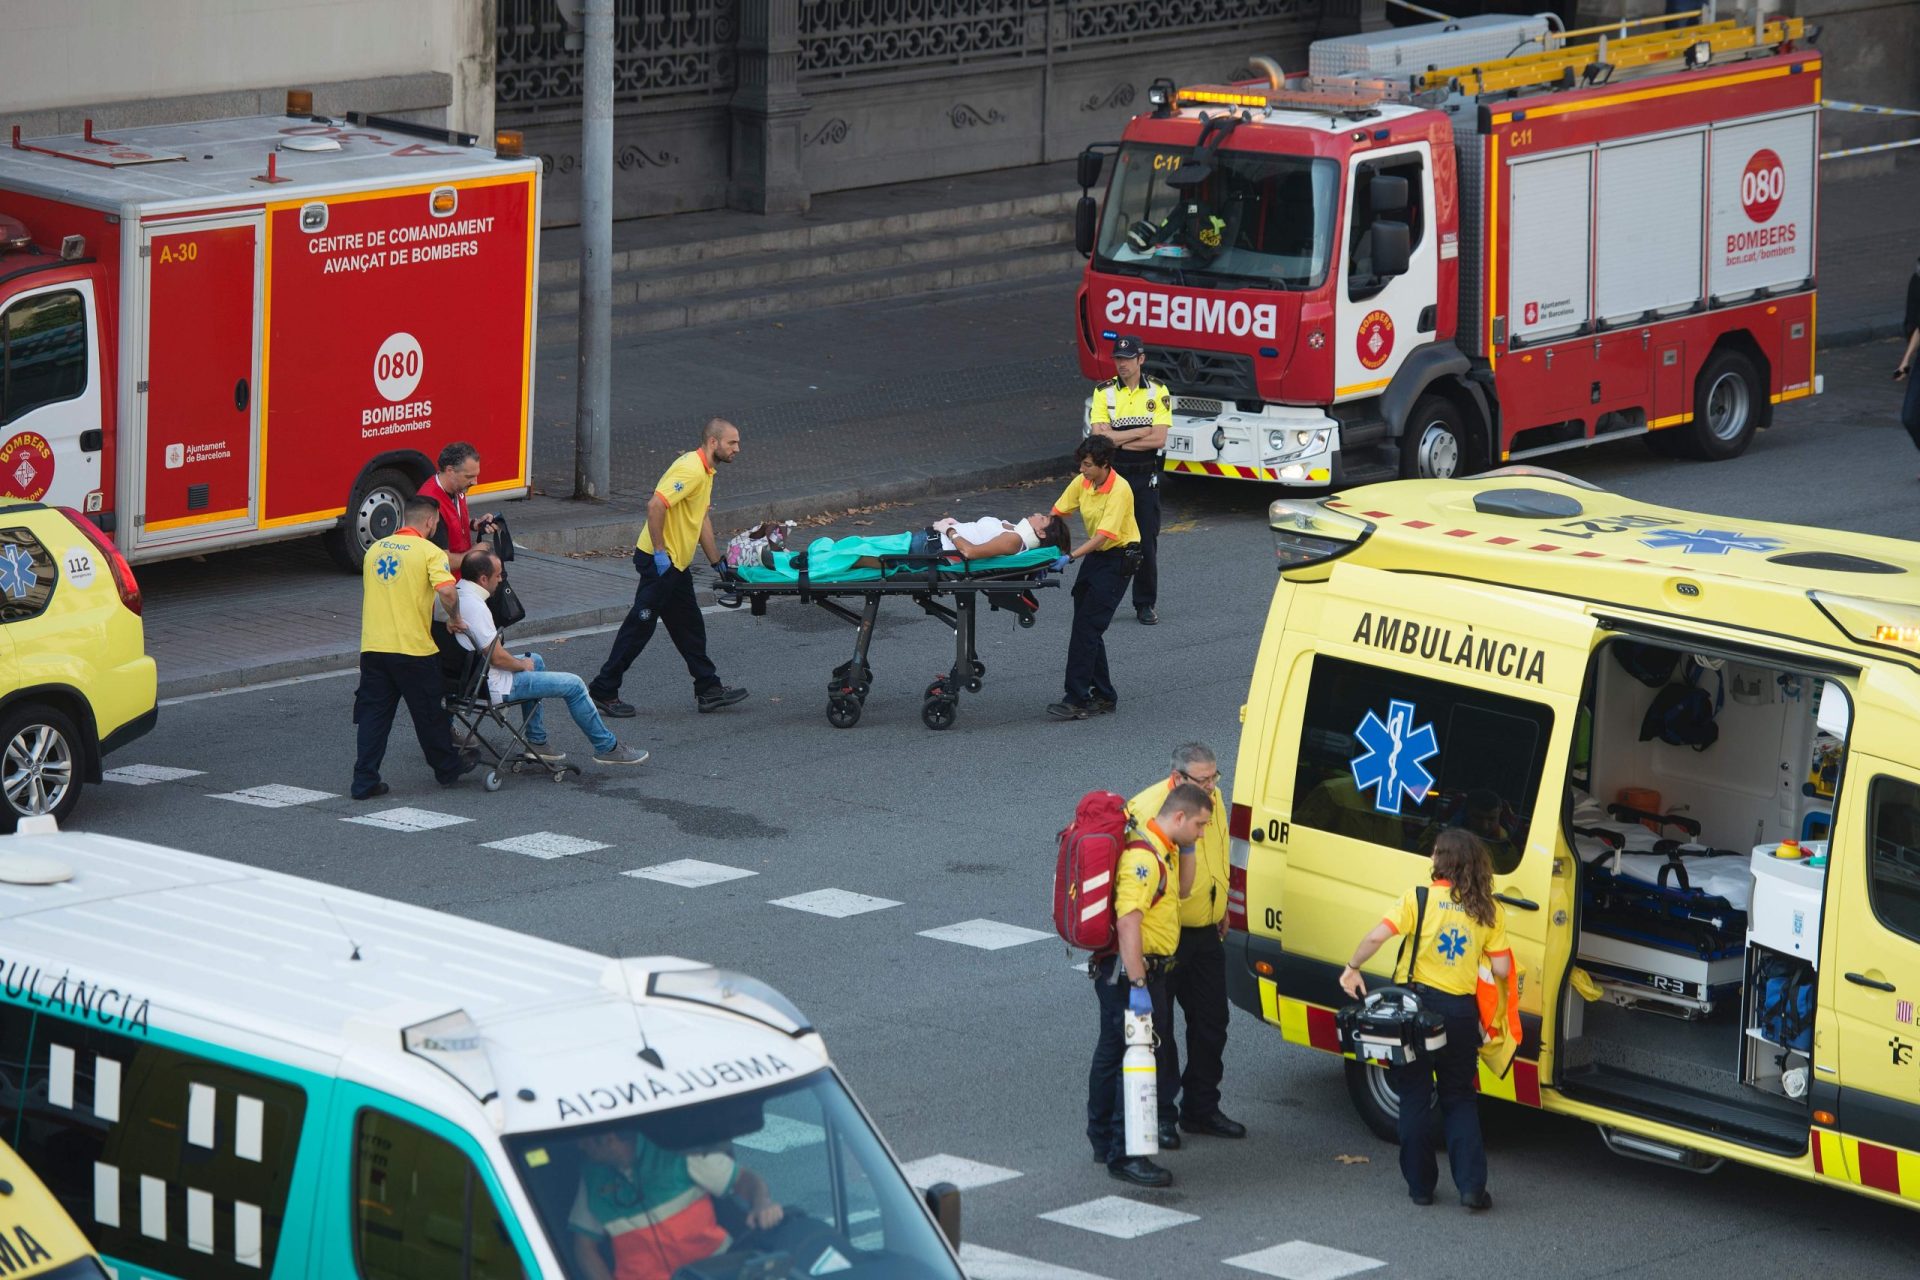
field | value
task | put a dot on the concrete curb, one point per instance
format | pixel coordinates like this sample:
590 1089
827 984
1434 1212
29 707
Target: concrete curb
1858 335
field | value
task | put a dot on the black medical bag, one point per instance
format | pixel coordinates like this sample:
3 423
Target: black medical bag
1390 1027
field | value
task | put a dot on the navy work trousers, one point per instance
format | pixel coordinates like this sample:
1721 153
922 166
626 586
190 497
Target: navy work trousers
1198 985
1910 407
387 679
1453 1070
1106 1121
1097 590
1146 514
658 599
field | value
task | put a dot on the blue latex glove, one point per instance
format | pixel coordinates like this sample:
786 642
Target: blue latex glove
1140 1002
1060 565
662 563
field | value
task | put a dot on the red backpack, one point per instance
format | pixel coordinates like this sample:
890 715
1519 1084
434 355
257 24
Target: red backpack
1089 854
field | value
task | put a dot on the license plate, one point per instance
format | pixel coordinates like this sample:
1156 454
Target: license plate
1179 444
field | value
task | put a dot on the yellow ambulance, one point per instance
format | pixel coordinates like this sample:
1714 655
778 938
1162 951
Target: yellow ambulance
1692 746
37 1238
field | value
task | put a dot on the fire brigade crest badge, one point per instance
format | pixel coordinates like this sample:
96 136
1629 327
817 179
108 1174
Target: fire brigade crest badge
1375 339
26 467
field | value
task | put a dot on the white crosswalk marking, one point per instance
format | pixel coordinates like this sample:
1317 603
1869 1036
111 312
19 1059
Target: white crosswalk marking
546 844
961 1172
838 903
407 819
1303 1260
782 1133
690 873
987 935
145 775
275 795
1119 1217
991 1264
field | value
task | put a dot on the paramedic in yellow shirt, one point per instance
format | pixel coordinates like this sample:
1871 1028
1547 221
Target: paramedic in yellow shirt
1105 502
1461 928
676 523
1198 980
399 581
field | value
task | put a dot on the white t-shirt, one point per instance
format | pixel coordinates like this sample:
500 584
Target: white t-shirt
975 531
479 634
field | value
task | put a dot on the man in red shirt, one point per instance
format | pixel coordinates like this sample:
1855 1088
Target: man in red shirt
459 471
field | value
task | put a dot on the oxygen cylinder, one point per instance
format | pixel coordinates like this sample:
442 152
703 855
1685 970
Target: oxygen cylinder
1140 1088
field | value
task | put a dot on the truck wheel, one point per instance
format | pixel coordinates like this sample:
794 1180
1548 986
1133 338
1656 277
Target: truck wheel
1374 1097
1435 444
374 511
1729 405
41 764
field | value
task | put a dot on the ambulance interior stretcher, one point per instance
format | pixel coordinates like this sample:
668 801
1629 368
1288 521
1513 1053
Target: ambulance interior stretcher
1696 933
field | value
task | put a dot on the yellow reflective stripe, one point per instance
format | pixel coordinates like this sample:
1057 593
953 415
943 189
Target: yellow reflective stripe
1492 1086
1909 1174
1269 998
1834 1162
1293 1022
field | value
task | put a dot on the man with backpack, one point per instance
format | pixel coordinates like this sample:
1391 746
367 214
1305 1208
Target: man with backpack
1152 873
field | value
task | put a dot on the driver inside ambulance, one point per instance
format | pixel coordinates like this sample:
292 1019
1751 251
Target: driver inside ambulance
655 1207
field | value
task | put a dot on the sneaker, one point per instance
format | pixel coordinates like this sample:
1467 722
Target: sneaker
615 708
1103 706
545 754
374 792
1064 710
718 697
467 766
1148 618
620 755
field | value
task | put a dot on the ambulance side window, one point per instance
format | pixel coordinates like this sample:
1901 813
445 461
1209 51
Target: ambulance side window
171 1161
421 1211
43 352
1893 868
1394 759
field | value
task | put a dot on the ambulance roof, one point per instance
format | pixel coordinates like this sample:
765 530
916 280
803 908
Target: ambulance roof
1536 530
223 160
334 971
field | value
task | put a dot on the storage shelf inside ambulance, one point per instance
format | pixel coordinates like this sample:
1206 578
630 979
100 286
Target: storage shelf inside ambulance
1693 927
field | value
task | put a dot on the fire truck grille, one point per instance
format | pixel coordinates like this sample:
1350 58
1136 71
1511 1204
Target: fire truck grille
1196 408
1204 373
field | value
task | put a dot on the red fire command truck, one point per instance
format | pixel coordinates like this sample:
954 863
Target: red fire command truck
1446 247
235 331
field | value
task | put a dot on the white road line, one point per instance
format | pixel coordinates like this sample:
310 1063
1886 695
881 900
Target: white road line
106 1194
153 1207
782 1133
1302 1260
838 903
106 1089
690 873
408 819
275 795
1119 1217
987 935
145 775
519 643
961 1172
990 1264
60 1076
199 1220
546 844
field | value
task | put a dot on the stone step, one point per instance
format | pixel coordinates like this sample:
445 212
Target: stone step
657 243
685 282
754 302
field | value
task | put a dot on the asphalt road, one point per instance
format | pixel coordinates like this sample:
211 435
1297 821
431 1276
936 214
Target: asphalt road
981 1054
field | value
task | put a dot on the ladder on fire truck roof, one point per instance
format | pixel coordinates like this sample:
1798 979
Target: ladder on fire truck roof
1569 64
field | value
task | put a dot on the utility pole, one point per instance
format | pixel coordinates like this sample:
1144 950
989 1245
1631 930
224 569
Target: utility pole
592 430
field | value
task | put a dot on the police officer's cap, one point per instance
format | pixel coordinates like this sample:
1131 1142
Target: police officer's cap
1128 347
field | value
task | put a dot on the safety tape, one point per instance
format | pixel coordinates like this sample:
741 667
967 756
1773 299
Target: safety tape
1878 146
1865 109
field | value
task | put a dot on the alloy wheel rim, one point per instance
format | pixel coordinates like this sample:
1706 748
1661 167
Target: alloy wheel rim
38 770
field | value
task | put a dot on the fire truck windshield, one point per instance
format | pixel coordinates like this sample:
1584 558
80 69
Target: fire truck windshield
1254 220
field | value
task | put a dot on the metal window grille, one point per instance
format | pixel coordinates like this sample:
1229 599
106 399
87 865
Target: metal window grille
662 48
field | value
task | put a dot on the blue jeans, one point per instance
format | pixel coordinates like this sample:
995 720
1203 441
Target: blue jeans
531 686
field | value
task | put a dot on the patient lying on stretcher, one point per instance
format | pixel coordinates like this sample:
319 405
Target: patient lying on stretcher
1036 539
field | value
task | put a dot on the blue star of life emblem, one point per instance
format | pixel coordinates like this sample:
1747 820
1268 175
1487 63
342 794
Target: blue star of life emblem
1452 943
16 572
1709 542
1395 762
388 566
1140 874
678 485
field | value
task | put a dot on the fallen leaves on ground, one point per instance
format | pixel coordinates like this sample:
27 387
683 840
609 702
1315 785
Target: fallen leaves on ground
1346 1159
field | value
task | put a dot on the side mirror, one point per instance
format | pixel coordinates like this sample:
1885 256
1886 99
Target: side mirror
943 1199
1088 172
1085 213
1387 195
1392 248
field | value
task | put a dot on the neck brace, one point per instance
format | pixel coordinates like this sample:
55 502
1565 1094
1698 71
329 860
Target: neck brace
1028 538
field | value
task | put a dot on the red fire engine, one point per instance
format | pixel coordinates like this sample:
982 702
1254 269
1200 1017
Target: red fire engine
1537 242
235 331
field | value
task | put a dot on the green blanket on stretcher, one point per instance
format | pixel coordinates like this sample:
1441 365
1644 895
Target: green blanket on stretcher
831 560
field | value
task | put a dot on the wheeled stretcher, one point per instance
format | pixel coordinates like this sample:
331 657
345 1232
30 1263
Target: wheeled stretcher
942 584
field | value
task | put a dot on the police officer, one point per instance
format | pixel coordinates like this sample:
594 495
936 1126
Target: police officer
1198 980
1153 873
1134 412
399 581
1105 503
